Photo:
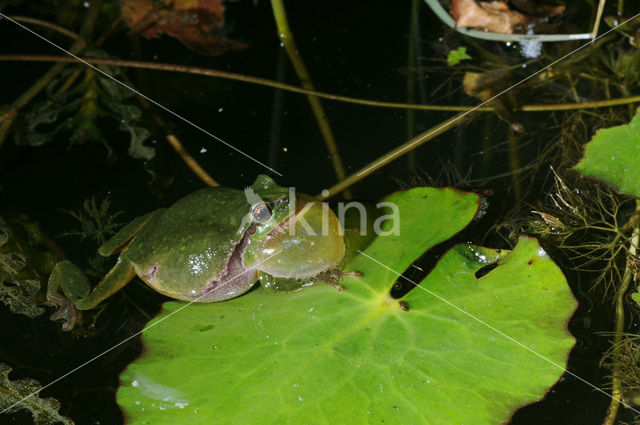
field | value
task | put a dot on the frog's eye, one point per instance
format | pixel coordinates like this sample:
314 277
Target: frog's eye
261 213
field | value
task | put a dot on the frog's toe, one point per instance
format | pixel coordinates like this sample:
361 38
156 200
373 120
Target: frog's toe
333 283
333 277
68 313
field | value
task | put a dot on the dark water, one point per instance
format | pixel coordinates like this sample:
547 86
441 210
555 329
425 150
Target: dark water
354 48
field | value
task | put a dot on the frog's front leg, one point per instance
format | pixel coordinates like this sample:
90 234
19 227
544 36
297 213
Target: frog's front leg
76 290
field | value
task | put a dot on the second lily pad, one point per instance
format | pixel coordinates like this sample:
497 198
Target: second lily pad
612 155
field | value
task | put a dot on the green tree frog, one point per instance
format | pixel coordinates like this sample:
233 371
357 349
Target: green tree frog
212 245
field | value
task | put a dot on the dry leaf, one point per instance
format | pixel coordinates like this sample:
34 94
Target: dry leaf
487 85
190 21
493 16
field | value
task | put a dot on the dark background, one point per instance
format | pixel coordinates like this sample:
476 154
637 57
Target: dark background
358 49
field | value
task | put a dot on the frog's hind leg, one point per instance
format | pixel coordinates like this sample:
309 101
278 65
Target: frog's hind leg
77 290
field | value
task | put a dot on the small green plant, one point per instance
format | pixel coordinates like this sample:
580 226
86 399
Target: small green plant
457 55
588 224
96 222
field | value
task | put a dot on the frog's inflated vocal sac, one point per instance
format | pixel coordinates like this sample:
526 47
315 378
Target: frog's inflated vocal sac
212 245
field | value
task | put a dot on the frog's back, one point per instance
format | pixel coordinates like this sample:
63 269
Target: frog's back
189 244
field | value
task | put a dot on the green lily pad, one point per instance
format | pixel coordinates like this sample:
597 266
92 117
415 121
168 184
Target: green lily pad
319 356
612 156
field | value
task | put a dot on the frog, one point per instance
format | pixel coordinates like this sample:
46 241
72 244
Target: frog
213 245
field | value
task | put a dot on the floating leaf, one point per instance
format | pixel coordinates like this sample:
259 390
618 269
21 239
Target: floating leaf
357 357
458 55
13 393
612 156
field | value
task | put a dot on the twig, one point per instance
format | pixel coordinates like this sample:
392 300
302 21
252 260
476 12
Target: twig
286 37
270 83
99 41
236 77
514 164
61 30
396 153
191 162
596 22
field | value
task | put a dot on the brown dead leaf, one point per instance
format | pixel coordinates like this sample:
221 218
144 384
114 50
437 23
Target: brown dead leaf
490 84
190 21
473 85
493 16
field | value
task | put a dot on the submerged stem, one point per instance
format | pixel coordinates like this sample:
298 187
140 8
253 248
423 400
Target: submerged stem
616 392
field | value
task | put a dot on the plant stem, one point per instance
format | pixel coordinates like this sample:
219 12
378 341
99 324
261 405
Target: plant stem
514 164
295 89
191 162
397 153
596 23
45 24
99 41
286 37
616 392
